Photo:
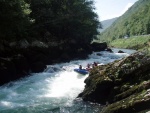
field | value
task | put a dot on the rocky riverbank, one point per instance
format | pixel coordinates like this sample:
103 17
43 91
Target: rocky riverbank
19 59
122 86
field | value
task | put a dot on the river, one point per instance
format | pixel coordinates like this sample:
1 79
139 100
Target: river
54 90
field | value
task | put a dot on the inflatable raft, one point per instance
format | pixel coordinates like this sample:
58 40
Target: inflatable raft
81 71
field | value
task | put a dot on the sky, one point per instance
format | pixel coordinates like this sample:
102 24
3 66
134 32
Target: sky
107 9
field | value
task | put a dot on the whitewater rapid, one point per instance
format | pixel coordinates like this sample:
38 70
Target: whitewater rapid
54 90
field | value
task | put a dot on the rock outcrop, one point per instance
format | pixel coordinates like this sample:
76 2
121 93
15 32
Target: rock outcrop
123 86
98 46
18 59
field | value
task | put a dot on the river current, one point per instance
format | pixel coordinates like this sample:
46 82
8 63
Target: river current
54 90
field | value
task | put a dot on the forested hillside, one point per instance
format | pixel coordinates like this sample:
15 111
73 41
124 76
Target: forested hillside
107 23
48 20
136 21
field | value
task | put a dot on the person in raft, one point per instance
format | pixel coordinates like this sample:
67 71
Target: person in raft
94 64
88 67
80 67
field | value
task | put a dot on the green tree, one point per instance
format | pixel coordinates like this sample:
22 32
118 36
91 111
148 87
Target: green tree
65 19
13 19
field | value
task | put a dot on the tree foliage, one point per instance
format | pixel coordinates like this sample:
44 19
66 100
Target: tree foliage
65 19
136 21
13 19
49 20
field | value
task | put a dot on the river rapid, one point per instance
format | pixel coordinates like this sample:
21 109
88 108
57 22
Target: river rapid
54 90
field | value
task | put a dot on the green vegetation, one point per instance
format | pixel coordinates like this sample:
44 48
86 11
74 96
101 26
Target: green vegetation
48 21
136 21
135 42
65 20
107 23
14 19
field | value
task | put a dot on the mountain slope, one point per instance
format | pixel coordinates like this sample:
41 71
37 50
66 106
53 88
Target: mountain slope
136 21
107 23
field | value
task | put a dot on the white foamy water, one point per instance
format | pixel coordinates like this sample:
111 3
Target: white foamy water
54 90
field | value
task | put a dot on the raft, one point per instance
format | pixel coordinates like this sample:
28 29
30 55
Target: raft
81 71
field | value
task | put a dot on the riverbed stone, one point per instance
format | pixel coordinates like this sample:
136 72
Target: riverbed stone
120 51
109 50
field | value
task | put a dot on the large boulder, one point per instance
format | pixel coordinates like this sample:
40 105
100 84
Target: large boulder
98 86
38 67
137 101
7 70
21 64
123 85
98 92
109 50
98 46
13 68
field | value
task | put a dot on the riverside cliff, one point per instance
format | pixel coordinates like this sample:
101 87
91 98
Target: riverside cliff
122 86
19 59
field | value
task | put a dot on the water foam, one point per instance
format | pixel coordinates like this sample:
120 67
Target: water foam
53 90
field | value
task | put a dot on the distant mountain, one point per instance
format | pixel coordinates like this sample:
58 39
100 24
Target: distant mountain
135 21
107 23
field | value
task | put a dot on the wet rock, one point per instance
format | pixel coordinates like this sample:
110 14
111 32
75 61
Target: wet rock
7 70
98 46
120 51
13 68
65 57
40 57
38 67
98 54
52 69
123 84
21 64
109 50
